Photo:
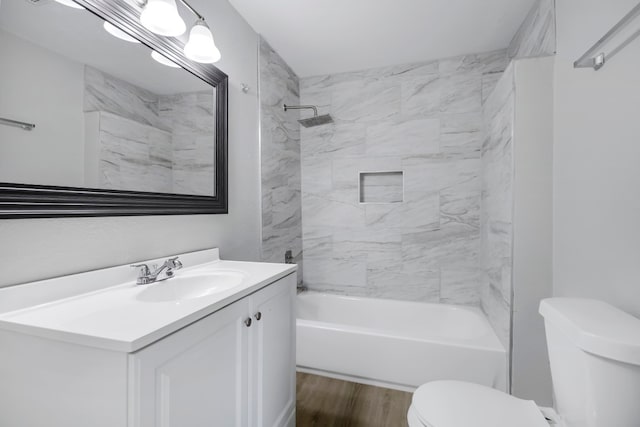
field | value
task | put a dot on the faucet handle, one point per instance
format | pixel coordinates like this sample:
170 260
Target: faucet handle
144 269
174 264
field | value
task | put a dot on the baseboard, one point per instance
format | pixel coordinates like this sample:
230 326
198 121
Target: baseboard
355 379
291 421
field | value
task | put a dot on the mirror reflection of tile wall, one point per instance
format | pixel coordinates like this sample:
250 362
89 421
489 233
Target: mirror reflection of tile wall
106 114
142 141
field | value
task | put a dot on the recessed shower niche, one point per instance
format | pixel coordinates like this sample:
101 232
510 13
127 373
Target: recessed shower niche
381 187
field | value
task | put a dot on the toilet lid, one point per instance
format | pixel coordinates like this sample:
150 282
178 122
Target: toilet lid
461 404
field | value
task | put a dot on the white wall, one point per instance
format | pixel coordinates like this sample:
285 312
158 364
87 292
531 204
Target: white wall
532 222
41 248
41 87
596 161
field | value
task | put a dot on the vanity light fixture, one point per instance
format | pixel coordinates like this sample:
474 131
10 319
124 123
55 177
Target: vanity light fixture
163 60
70 3
162 17
201 47
117 32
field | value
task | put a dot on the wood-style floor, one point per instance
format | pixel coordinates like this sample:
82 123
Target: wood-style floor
325 402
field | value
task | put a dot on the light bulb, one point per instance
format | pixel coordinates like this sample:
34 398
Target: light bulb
70 3
162 17
201 47
117 32
163 60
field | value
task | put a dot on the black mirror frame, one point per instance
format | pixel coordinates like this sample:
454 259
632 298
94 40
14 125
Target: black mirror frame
44 201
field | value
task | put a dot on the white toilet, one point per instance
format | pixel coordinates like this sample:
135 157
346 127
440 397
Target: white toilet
594 350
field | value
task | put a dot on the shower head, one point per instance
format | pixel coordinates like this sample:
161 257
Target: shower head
316 120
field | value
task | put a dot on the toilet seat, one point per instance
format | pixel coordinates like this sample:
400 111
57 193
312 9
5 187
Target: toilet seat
462 404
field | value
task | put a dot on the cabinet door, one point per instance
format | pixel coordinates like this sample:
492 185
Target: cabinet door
272 377
195 377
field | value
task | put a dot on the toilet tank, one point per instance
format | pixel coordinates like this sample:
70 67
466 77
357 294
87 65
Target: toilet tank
594 350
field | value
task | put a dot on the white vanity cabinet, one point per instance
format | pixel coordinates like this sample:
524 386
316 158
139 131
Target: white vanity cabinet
272 349
234 368
196 377
110 358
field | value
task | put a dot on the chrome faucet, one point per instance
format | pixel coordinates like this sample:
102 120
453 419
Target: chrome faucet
146 276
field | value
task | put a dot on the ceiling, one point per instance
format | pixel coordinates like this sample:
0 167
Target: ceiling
332 36
78 35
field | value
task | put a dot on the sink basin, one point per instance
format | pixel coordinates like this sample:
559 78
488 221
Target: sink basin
188 286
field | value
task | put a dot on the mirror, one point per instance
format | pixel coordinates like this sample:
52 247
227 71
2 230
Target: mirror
91 124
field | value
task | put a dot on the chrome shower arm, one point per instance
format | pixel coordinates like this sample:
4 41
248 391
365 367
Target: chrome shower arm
302 107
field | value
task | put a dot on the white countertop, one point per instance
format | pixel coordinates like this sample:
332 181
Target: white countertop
112 318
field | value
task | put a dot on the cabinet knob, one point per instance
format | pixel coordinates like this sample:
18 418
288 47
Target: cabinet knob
258 316
248 322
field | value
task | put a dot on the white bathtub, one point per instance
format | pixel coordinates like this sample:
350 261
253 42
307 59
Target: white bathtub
396 344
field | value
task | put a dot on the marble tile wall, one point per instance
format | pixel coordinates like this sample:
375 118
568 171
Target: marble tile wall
280 159
497 207
537 35
133 156
426 120
191 119
138 156
103 92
